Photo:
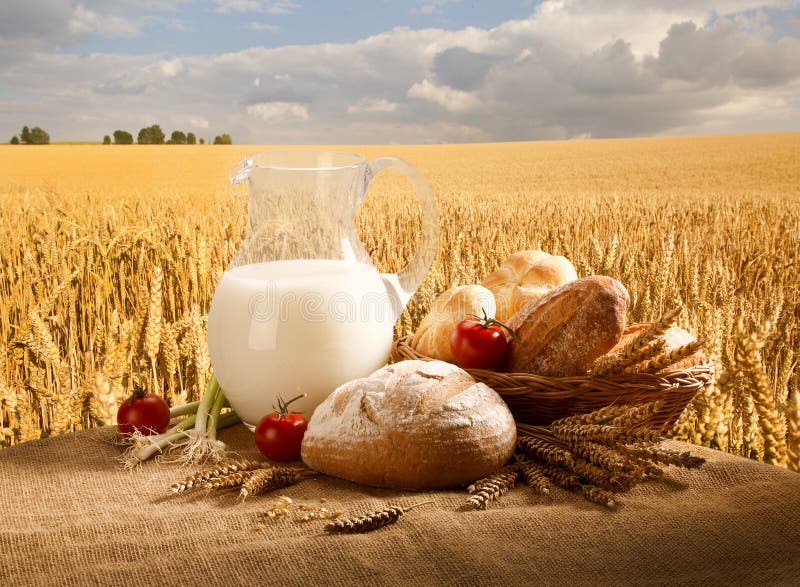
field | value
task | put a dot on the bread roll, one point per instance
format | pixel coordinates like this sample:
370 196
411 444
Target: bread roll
432 338
526 276
562 333
411 425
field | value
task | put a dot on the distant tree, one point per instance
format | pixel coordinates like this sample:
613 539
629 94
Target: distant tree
106 140
39 136
191 139
151 135
25 135
157 134
202 141
177 138
123 137
223 139
14 140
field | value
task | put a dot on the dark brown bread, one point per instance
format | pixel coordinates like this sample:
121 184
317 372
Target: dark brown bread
563 332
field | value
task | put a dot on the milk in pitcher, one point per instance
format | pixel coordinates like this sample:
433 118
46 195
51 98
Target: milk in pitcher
296 326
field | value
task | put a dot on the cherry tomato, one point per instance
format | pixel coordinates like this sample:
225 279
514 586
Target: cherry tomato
279 434
142 412
479 343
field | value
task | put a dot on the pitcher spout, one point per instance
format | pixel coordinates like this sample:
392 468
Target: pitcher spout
241 172
398 297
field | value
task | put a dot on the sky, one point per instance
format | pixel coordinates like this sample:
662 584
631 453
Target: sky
405 71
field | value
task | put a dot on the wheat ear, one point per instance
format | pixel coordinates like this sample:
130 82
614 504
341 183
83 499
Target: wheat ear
750 364
665 360
371 521
491 488
793 430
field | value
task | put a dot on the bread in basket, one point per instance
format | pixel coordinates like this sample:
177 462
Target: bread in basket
539 400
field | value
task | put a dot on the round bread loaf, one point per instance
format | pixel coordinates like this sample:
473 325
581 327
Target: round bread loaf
411 425
526 276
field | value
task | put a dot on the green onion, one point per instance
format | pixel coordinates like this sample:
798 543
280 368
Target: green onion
193 439
213 417
190 408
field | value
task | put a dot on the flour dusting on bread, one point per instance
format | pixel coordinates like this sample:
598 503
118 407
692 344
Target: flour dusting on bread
413 424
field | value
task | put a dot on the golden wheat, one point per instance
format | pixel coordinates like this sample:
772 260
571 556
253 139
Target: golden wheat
109 257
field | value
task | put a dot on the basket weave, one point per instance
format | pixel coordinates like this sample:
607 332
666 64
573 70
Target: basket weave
539 400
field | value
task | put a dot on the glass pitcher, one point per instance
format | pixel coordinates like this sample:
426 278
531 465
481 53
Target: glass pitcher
301 308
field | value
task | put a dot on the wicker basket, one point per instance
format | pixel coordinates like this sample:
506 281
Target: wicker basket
534 399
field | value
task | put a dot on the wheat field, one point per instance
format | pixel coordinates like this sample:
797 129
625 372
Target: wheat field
109 256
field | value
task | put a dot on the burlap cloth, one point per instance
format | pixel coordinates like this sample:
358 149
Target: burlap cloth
70 516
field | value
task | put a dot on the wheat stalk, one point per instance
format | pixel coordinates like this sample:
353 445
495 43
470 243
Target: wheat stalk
649 335
87 271
104 400
152 333
667 359
534 476
265 480
491 488
370 521
205 476
793 430
750 364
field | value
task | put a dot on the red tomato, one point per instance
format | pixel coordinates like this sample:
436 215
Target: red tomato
479 343
279 434
142 412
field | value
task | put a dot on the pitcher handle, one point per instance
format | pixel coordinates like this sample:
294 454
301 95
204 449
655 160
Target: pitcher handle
402 285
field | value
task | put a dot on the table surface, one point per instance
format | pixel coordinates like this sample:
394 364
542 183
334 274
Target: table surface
70 515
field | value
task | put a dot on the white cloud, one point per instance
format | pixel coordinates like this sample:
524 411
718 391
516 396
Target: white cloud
445 96
585 25
278 111
372 105
434 6
745 106
84 117
263 26
198 122
176 24
85 21
265 6
171 68
573 68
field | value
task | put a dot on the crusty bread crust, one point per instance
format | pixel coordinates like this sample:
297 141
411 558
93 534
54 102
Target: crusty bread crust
411 425
526 276
562 333
432 337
